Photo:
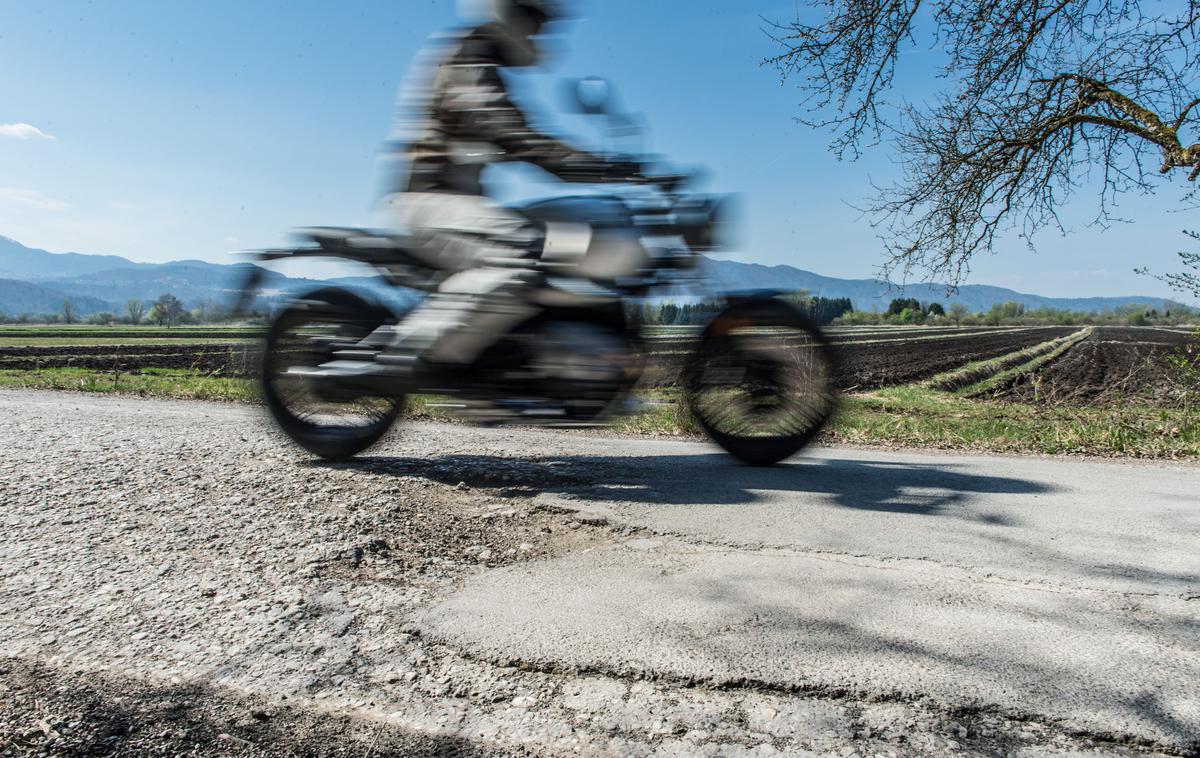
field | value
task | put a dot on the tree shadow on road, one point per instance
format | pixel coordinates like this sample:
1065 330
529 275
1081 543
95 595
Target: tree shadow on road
712 479
1148 697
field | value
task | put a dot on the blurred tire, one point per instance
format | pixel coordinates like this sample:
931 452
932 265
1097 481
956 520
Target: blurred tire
316 414
761 383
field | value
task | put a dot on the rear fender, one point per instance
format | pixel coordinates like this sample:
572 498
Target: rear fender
357 300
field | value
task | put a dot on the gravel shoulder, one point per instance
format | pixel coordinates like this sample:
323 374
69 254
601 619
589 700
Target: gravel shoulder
171 572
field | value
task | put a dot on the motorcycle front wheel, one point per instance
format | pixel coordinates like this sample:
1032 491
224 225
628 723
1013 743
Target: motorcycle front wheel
317 414
761 383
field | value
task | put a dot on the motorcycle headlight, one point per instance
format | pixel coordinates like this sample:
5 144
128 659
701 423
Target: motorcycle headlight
702 222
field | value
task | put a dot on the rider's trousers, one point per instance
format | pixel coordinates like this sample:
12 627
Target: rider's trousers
485 299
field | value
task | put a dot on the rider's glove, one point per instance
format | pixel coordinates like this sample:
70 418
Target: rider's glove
586 168
625 171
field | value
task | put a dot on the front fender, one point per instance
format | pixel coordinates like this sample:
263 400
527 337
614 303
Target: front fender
365 302
740 297
747 309
247 290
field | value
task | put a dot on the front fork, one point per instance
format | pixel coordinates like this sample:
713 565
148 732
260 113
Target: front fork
247 291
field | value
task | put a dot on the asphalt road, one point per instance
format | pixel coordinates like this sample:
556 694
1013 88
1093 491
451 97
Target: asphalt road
1057 589
868 599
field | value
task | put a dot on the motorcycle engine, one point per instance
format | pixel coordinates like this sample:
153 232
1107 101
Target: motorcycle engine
585 366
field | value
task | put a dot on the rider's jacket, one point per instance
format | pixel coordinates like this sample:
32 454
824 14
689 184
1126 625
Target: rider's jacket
464 119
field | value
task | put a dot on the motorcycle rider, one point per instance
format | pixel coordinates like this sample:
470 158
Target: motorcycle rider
465 120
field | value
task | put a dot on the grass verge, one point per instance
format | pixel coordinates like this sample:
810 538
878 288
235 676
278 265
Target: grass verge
924 418
918 417
901 416
164 383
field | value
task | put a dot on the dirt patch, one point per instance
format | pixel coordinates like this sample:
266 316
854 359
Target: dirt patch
231 360
962 379
867 364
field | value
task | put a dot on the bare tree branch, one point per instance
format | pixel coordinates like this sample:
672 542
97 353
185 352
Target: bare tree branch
1038 96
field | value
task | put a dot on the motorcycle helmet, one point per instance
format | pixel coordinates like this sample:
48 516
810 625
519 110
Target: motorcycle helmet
539 11
518 22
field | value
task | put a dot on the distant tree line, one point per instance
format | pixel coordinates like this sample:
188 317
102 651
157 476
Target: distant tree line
168 310
823 310
911 311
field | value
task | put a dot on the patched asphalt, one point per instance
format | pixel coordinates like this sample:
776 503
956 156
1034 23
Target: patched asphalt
1046 588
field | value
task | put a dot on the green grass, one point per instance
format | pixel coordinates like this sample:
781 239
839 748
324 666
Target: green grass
903 416
164 383
925 418
918 417
105 341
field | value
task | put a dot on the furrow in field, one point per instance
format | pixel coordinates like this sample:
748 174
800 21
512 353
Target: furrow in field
1112 366
873 365
979 371
1036 361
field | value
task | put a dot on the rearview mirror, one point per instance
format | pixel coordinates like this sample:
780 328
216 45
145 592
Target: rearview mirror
591 95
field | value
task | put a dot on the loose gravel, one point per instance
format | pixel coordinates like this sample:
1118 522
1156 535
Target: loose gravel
176 580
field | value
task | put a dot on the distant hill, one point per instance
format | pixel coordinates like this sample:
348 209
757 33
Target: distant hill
29 264
25 297
190 281
37 281
867 294
96 283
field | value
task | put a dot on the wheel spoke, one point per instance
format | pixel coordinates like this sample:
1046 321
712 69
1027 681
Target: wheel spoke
763 382
307 345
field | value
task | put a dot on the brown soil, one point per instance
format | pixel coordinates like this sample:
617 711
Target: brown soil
233 359
1112 365
887 364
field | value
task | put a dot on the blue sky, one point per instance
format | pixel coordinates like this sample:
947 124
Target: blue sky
188 129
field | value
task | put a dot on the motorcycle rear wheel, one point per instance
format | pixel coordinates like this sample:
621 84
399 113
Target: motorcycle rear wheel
761 383
315 413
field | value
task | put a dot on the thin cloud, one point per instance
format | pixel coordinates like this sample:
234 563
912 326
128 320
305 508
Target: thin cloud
23 131
31 199
121 206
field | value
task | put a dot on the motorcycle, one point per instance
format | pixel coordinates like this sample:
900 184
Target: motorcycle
759 379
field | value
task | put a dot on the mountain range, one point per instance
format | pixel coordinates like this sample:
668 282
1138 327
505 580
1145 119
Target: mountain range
868 294
38 282
35 281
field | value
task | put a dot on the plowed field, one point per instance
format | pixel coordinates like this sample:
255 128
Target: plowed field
871 365
1112 365
234 359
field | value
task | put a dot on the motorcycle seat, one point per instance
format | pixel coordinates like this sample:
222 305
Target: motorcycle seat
446 253
367 245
